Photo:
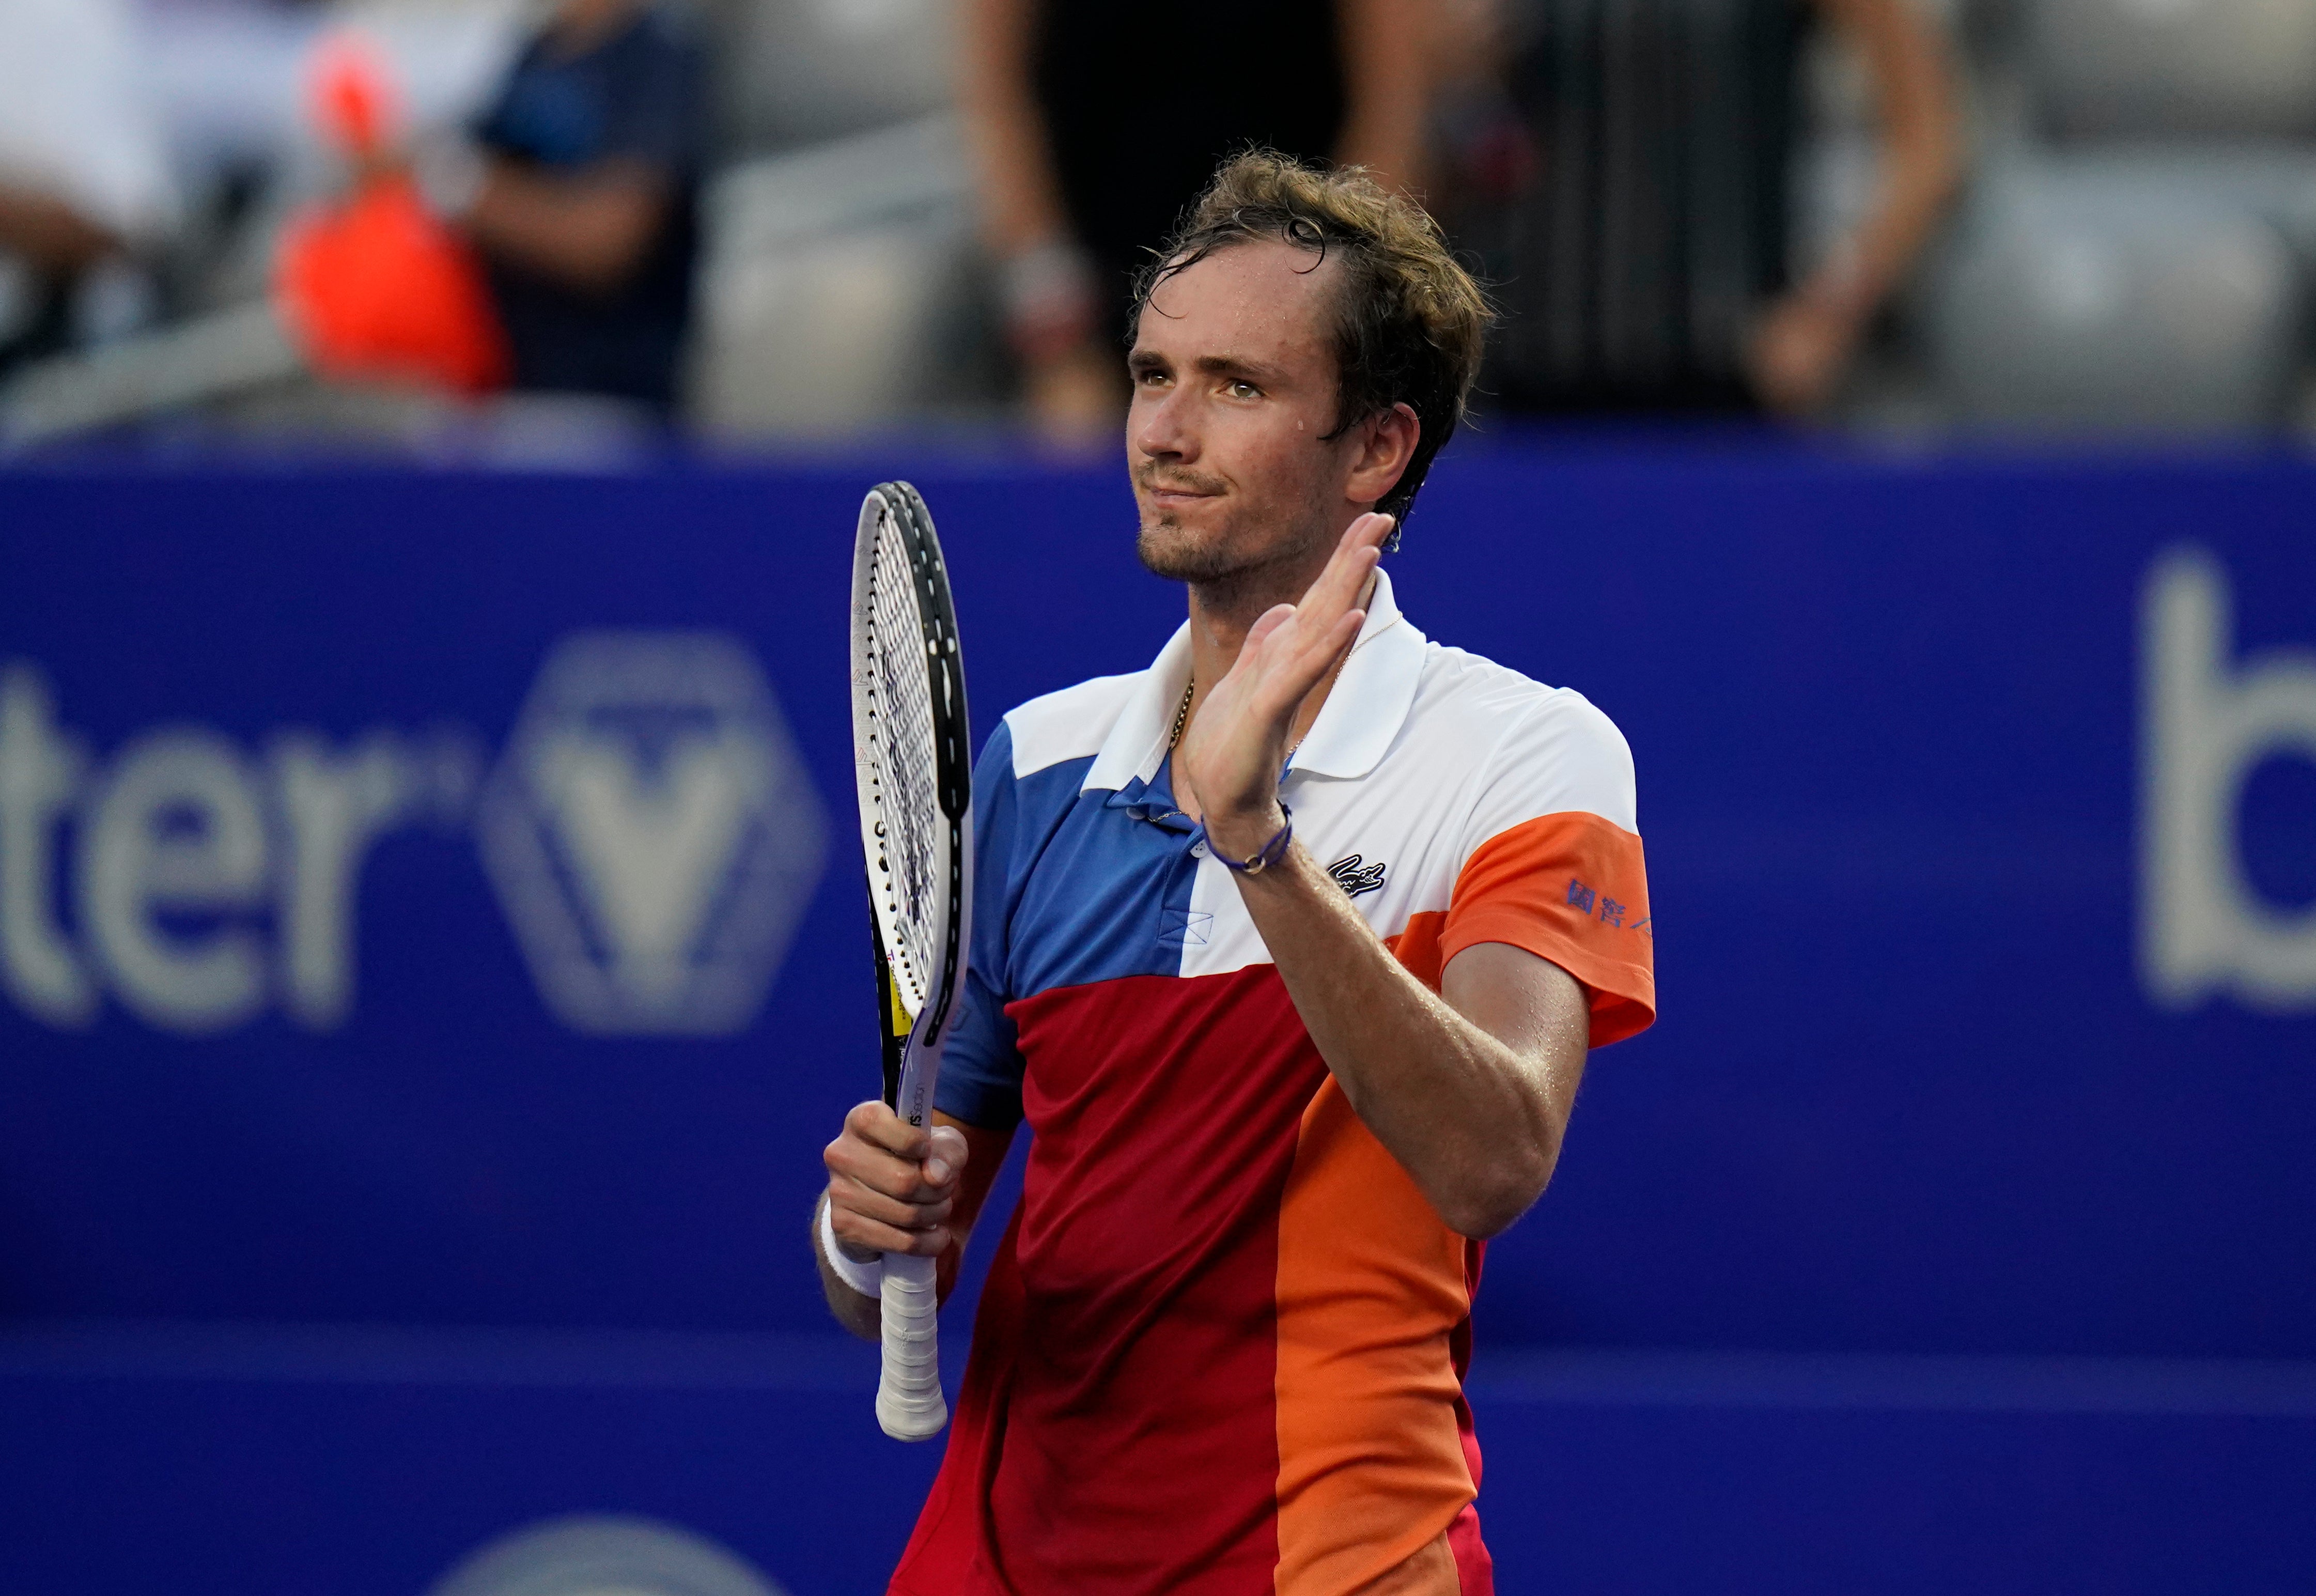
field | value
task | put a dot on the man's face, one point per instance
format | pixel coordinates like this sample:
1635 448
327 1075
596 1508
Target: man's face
1233 372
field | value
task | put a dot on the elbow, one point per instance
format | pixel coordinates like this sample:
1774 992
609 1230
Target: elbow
1485 1203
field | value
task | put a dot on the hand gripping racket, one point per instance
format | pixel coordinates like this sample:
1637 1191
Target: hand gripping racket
915 777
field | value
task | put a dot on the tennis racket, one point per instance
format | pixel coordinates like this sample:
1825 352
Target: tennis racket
914 773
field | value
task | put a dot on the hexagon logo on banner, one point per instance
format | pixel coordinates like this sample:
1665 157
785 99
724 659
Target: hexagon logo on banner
652 834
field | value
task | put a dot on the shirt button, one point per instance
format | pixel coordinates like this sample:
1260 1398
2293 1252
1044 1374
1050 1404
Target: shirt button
1197 849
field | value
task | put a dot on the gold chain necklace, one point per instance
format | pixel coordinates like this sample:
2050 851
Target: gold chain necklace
1183 714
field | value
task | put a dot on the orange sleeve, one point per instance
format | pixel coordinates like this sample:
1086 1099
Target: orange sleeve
1569 888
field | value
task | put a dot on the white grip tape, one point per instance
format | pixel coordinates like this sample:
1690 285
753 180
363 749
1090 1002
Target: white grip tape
909 1403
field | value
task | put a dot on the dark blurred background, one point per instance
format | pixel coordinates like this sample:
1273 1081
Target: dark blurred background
430 433
772 220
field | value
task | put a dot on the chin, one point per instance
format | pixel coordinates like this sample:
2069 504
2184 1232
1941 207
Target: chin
1168 548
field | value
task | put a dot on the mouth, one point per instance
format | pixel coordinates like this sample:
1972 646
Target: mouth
1174 494
1171 493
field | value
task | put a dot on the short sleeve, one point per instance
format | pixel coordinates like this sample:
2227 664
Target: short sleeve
981 1064
636 97
1553 861
654 99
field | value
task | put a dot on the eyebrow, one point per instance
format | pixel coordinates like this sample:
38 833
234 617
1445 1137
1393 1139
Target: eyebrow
1212 365
1254 371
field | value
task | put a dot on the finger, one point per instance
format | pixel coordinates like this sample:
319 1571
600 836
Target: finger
1365 534
1267 625
1338 586
875 1123
869 1235
849 1196
1292 668
878 1170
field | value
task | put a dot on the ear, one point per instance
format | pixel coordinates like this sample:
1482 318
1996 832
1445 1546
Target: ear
1386 443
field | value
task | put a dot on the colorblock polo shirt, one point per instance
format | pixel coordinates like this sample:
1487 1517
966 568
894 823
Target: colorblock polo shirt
1223 1341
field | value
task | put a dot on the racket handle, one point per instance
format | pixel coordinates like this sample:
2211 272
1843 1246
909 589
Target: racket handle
909 1403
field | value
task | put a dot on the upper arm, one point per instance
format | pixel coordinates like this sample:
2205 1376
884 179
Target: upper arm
1527 1003
1552 865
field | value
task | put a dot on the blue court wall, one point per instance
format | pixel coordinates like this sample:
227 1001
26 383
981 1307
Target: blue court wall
1980 803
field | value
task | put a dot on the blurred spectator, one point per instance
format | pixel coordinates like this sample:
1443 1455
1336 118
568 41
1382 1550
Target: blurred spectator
1634 207
1092 134
581 191
84 173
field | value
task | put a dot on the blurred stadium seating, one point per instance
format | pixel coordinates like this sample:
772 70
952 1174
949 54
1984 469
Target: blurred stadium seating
2132 254
839 289
2148 290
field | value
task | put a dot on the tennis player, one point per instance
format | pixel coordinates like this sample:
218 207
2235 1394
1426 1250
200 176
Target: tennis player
1289 948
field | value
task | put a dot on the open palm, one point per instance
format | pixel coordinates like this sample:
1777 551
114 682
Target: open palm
1230 759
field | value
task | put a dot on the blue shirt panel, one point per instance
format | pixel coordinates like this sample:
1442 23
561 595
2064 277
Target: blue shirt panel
1070 887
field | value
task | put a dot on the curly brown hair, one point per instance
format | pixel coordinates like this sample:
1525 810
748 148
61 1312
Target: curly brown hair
1409 321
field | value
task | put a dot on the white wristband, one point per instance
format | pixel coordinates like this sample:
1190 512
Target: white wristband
866 1278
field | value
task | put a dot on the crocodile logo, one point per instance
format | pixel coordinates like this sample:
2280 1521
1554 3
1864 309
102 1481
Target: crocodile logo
1355 876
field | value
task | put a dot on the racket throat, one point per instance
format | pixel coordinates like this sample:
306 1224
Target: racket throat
894 1032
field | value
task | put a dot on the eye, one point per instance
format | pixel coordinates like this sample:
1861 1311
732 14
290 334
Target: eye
1240 388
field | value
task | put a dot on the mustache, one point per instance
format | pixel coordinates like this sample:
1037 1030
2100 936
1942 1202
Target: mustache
1148 476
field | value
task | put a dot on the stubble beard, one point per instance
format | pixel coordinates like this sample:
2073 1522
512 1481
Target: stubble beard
1220 562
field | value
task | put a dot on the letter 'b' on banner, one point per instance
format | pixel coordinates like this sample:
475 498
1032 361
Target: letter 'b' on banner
2206 724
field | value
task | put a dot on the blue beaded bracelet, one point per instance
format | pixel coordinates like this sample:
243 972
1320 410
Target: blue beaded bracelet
1268 854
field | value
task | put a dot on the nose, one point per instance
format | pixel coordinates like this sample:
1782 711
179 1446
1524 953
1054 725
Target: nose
1159 426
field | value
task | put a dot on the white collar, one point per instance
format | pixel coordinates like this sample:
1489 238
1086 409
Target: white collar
1363 712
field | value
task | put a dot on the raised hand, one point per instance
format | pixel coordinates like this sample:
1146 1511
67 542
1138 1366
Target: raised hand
1230 758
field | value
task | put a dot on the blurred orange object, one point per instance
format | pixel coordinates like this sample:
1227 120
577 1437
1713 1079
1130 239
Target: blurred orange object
374 285
352 97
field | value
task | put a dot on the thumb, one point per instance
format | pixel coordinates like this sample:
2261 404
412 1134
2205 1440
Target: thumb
945 1155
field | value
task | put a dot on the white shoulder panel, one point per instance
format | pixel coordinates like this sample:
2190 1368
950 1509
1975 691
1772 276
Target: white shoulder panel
1549 750
1071 724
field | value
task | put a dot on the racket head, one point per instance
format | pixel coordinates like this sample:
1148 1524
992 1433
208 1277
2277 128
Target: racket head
911 766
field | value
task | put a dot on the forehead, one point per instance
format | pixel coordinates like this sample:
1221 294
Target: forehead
1262 299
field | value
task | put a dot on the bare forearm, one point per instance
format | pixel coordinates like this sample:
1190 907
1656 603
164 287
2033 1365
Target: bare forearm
590 232
1921 148
1388 61
1475 1123
1391 66
50 233
1022 201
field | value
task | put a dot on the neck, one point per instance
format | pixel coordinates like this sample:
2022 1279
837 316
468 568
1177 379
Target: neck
1223 611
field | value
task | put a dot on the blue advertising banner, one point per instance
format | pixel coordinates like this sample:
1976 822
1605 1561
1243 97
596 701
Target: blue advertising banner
429 899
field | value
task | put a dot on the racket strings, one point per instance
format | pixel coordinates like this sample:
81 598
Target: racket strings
899 687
